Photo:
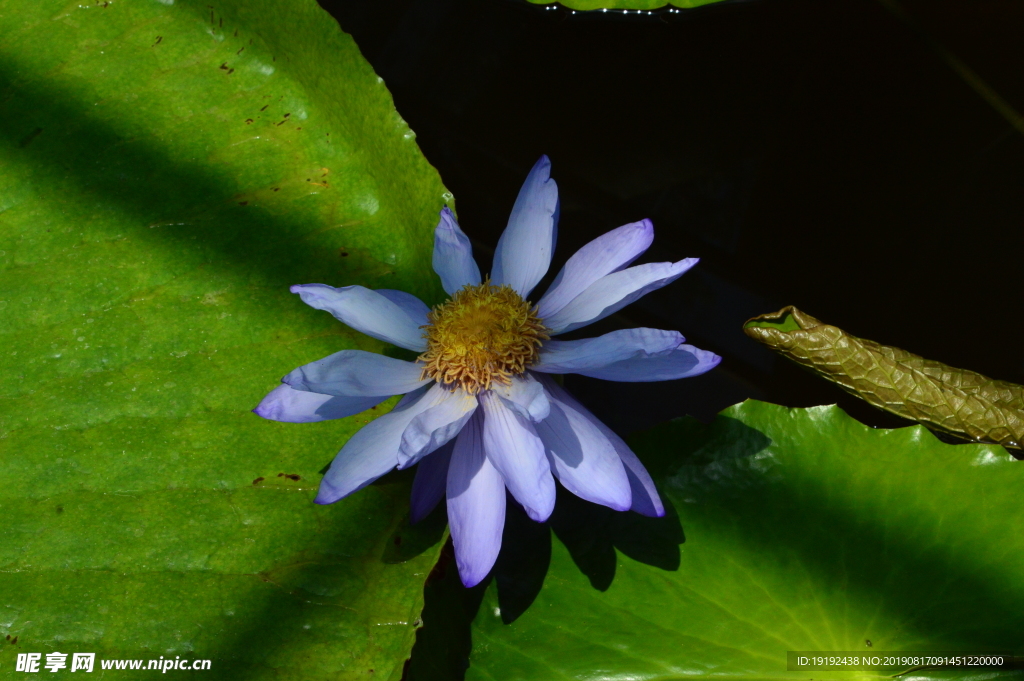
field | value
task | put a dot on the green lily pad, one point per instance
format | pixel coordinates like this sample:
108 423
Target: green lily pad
787 530
167 170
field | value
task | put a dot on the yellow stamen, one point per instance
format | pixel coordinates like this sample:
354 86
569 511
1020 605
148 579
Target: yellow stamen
482 335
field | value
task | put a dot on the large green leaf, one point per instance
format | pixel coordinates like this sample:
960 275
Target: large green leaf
804 530
167 170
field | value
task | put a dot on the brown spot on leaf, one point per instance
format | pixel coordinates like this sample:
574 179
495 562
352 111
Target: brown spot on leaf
241 50
277 189
230 71
14 641
159 39
264 107
248 121
243 203
287 115
224 66
60 509
258 480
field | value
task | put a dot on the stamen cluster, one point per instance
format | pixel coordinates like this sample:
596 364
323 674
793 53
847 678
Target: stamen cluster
484 334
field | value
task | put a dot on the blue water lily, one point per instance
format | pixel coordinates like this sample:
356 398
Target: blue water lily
481 413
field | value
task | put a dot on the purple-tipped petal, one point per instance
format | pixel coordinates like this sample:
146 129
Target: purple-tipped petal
373 450
453 255
526 396
645 495
580 356
611 293
581 456
430 481
683 362
608 253
435 426
286 404
525 247
515 450
367 311
354 373
410 304
476 505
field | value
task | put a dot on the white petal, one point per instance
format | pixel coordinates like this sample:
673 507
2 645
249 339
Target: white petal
513 447
526 396
579 356
453 255
608 253
582 457
410 304
645 495
525 247
373 450
366 311
476 506
355 373
289 405
683 362
436 425
611 293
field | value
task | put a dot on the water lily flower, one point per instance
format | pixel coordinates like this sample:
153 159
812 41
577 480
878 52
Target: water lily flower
481 413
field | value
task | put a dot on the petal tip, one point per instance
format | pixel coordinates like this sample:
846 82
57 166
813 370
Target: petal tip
541 515
326 495
470 581
470 574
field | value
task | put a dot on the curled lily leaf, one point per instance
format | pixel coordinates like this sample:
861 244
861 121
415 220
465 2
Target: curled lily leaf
958 402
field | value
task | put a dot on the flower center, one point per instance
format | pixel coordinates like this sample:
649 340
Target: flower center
483 334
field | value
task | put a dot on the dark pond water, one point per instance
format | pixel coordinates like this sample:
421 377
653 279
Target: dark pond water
820 154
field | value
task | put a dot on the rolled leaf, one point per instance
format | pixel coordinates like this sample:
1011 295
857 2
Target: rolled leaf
961 403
